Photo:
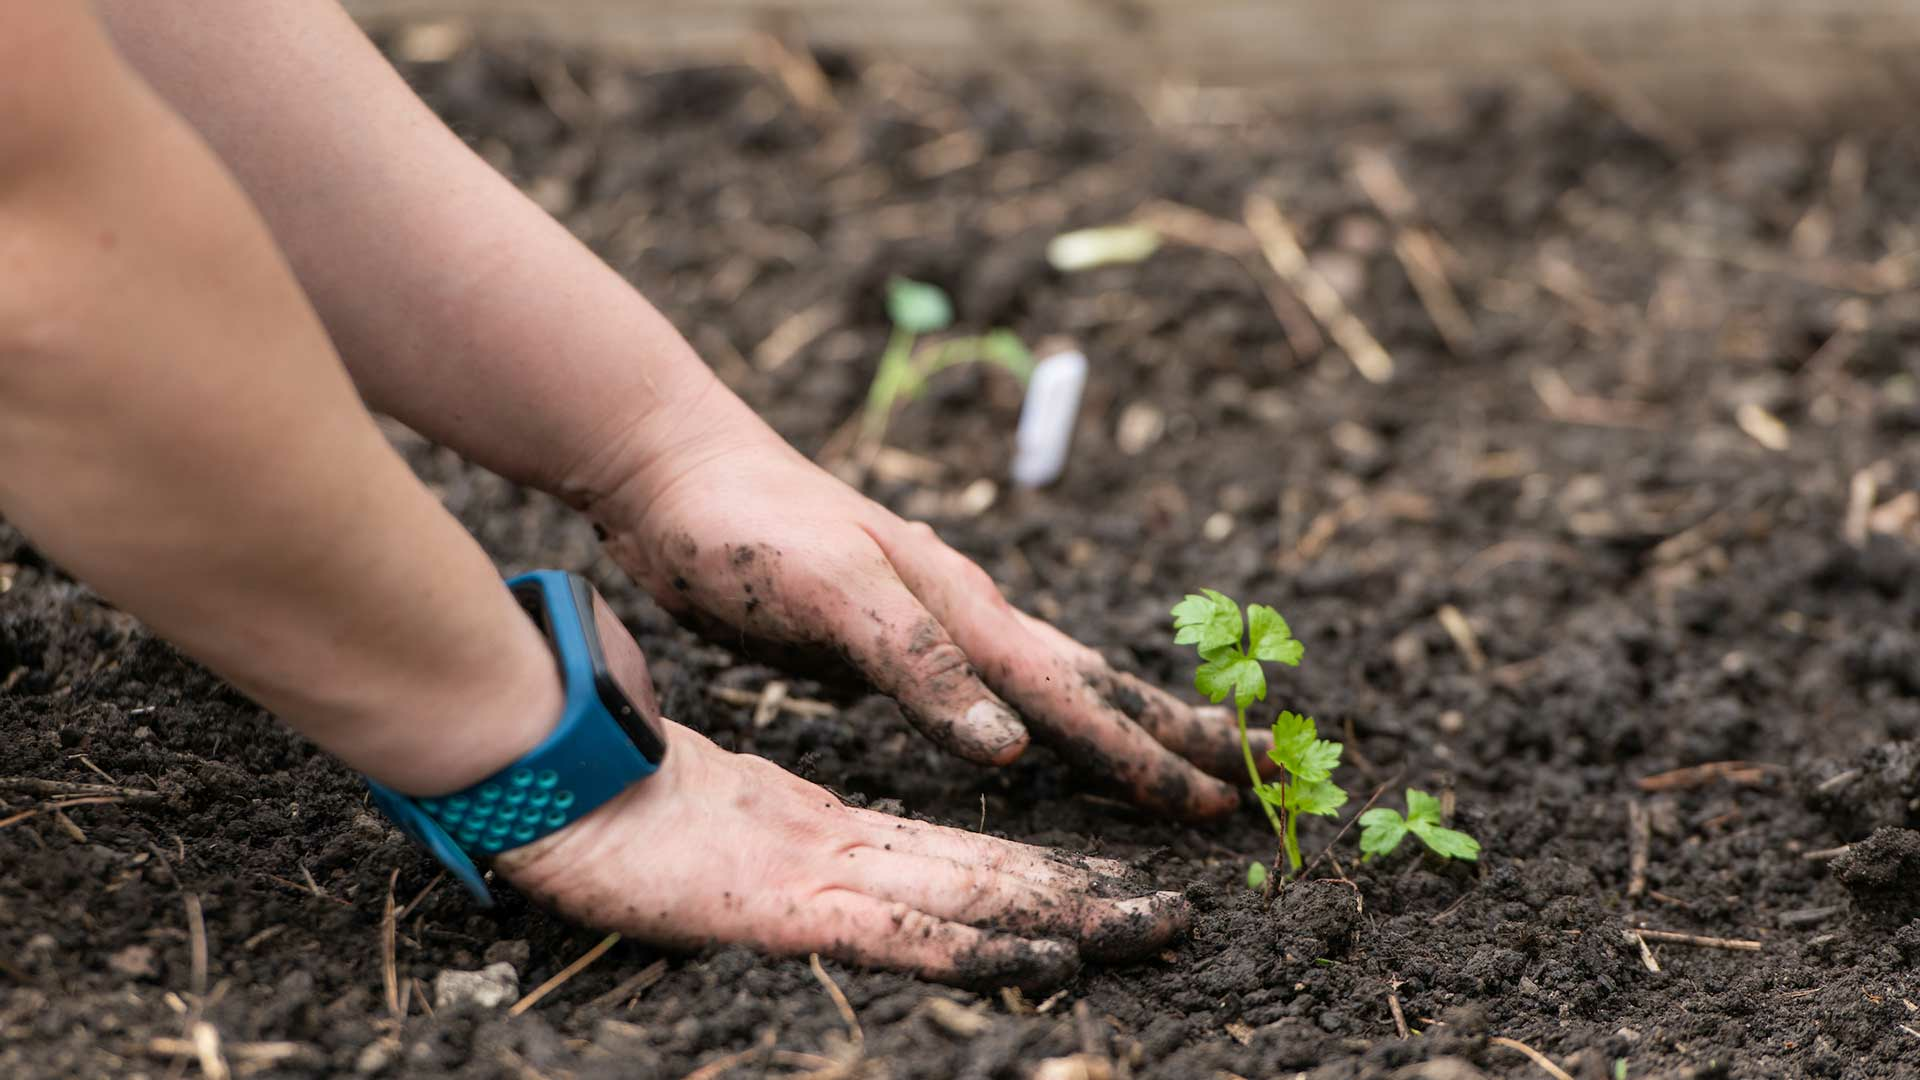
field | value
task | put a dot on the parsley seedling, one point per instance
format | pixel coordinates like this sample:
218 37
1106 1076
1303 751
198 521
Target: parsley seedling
1210 622
916 309
1382 829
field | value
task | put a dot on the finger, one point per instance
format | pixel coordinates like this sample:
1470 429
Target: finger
1105 929
1047 686
1208 735
861 929
905 652
1046 866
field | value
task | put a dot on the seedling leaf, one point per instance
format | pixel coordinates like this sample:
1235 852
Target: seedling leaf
1231 672
917 307
1271 794
1422 807
1381 830
1323 797
1209 622
1272 638
1298 748
1447 843
1256 875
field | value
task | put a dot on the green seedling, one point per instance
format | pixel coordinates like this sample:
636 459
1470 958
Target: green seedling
1306 786
916 309
1231 655
1382 829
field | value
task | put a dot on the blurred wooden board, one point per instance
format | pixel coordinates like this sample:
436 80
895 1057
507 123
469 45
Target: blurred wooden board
1703 60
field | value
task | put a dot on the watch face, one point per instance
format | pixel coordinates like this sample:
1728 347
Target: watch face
619 669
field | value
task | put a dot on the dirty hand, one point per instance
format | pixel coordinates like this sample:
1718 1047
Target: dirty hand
800 872
755 544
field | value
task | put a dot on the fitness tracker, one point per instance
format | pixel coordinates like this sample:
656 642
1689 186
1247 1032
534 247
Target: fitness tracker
607 739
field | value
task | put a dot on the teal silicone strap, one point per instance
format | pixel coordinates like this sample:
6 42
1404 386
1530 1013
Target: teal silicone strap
586 761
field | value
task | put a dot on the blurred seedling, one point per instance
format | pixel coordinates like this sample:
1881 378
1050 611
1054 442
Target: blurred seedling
1382 829
917 309
1231 653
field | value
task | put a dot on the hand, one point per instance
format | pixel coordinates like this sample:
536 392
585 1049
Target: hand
752 542
722 848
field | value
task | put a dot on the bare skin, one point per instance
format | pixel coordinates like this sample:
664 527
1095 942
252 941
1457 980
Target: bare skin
177 429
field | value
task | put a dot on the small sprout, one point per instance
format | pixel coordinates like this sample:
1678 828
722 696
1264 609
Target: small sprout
917 308
1085 249
1256 875
1306 787
1619 1069
1231 653
1382 829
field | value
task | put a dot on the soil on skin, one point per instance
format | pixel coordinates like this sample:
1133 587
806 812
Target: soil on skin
1649 587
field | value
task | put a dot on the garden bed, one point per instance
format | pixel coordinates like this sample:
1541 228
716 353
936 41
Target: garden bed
1659 482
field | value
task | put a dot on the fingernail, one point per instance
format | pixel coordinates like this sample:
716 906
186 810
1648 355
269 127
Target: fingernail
997 731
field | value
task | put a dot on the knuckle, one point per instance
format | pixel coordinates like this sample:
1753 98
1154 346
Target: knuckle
942 667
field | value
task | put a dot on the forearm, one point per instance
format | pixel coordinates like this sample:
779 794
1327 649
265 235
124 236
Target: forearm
460 307
175 429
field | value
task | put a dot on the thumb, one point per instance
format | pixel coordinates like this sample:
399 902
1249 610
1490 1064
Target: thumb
905 653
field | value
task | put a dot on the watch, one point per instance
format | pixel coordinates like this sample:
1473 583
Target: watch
605 741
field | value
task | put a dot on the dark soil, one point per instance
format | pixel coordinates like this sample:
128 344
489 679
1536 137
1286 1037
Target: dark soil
1651 587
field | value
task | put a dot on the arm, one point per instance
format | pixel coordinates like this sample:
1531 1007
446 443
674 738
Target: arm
175 429
465 311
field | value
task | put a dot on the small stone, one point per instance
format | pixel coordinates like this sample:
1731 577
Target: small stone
1453 722
373 1058
515 952
1218 526
1141 425
489 988
135 961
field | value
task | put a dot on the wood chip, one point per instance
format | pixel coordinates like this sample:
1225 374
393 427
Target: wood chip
954 1018
1463 636
1646 954
1764 427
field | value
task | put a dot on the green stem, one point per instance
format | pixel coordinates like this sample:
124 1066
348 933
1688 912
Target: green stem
1293 843
886 384
1254 771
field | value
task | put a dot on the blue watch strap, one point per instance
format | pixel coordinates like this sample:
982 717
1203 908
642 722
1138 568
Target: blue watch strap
586 761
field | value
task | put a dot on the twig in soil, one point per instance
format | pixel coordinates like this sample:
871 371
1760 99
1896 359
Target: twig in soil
1280 243
1763 427
55 807
206 1046
1399 1015
795 70
197 945
749 699
95 769
1566 406
1463 636
54 789
1196 228
563 975
1736 944
312 885
794 334
1824 854
1693 776
1416 247
1624 100
1538 1058
1908 1030
632 986
401 916
258 1054
389 959
1511 551
855 1036
1053 999
713 1069
1862 490
1639 841
1646 954
72 830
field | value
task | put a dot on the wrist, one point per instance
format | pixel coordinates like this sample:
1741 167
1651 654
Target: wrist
476 724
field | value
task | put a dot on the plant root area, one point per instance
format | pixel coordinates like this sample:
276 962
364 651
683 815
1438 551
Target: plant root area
1622 562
